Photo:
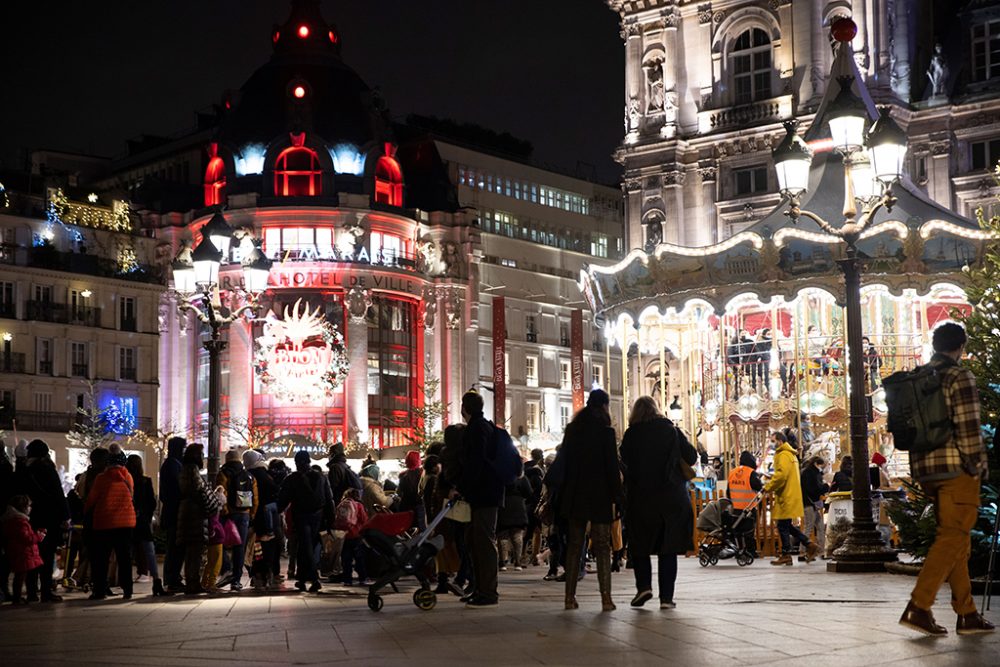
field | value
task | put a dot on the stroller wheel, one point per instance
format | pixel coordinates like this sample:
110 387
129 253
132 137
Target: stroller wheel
375 602
703 559
744 559
713 560
424 599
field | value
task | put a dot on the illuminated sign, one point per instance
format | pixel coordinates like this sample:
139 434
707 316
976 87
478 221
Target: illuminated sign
301 358
282 276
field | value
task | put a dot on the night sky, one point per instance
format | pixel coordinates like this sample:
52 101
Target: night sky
85 76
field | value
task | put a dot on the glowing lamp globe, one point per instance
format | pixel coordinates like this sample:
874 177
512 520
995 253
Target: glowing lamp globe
792 159
218 231
303 31
256 269
299 92
843 29
886 145
862 177
206 259
184 281
846 117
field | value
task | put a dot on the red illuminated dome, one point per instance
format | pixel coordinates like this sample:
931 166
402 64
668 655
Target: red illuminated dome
843 29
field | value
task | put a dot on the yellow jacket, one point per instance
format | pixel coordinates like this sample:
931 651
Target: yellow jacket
785 485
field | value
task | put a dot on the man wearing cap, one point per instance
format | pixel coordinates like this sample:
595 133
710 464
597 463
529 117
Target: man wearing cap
482 488
39 480
309 494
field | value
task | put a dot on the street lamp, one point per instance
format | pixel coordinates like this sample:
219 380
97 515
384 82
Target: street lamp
196 279
885 142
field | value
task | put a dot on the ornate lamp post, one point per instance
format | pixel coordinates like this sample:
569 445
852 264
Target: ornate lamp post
196 279
868 176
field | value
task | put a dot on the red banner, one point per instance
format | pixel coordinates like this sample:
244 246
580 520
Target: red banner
499 361
576 358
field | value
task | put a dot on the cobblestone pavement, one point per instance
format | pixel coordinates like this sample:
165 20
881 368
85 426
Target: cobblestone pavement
758 615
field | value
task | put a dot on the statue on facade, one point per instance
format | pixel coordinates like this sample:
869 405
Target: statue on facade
358 302
431 257
654 83
654 234
937 73
632 115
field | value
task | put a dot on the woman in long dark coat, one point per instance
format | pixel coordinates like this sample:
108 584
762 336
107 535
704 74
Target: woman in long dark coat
198 503
589 488
658 516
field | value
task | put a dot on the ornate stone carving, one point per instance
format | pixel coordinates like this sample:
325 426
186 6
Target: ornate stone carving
673 177
705 13
431 257
632 114
708 172
632 185
429 296
452 309
937 73
718 17
654 86
652 183
358 302
672 18
941 148
629 30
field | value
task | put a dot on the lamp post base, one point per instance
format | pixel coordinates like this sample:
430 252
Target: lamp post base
863 551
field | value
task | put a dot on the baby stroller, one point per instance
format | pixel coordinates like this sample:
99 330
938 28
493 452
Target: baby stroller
404 555
728 533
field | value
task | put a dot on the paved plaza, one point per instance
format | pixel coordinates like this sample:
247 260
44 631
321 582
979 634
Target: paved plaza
758 615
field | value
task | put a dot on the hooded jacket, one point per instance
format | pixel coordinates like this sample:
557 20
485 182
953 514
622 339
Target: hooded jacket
21 541
39 480
110 500
170 490
785 485
229 475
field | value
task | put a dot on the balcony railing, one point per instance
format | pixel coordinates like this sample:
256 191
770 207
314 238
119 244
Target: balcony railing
81 370
128 373
745 115
8 310
56 422
12 362
46 311
85 315
44 367
531 337
128 324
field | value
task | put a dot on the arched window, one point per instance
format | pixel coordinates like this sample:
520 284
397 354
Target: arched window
751 66
215 182
388 182
297 173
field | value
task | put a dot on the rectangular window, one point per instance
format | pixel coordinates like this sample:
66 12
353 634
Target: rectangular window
508 263
43 401
79 360
533 416
985 51
599 376
8 304
750 181
8 405
385 248
565 376
43 351
127 364
985 154
530 329
565 414
126 313
599 245
43 293
531 371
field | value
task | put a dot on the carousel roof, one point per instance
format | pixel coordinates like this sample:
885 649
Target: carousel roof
916 245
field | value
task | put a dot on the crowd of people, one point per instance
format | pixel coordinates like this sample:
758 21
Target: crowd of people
595 495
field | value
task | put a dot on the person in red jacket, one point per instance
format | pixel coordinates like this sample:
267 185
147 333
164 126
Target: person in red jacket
110 502
21 542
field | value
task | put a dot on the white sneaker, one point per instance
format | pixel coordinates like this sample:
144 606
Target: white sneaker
143 579
518 568
503 569
667 605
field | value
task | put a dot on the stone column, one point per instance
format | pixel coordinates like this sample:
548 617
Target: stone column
819 47
709 173
240 377
356 392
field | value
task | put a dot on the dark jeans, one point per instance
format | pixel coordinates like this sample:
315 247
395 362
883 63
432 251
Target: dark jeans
666 574
786 531
235 557
307 536
40 579
353 556
464 574
173 561
483 551
118 540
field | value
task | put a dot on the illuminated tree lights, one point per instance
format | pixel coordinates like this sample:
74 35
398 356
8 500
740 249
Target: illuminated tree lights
302 358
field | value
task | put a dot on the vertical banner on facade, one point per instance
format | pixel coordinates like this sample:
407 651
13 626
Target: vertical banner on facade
576 358
499 361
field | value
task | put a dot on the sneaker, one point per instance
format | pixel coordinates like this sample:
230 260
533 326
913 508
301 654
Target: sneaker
236 587
455 590
552 576
224 581
503 568
480 603
518 568
366 582
641 598
316 587
143 579
667 604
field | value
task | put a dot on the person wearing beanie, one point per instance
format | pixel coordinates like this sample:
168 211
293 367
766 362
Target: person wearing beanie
483 489
308 493
373 495
409 489
170 500
877 475
242 501
39 480
813 490
340 474
110 503
265 520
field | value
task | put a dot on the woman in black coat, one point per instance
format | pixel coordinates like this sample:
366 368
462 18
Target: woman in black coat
589 488
659 518
144 500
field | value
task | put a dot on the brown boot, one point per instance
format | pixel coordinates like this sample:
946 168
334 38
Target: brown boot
922 620
811 552
783 559
973 624
600 534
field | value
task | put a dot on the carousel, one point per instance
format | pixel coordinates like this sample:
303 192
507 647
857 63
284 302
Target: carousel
749 335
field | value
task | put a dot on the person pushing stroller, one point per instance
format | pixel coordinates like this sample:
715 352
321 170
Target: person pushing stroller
742 487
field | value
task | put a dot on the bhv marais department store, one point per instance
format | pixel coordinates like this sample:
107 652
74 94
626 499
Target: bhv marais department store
374 305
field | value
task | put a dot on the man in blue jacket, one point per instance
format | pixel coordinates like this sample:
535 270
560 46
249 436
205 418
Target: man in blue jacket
479 484
170 498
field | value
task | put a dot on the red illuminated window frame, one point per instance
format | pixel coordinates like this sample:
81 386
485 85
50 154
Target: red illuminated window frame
388 182
215 182
297 173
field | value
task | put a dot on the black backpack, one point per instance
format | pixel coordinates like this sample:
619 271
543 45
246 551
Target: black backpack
240 490
919 418
504 458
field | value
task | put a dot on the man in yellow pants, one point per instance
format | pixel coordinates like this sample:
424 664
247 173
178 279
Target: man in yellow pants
950 476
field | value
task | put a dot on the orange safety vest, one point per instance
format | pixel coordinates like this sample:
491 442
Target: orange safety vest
740 491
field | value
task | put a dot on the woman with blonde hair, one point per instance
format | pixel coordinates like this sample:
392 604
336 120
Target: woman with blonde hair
658 508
